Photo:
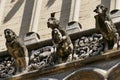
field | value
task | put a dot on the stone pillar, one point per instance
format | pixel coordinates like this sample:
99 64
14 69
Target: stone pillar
2 6
36 15
117 4
76 10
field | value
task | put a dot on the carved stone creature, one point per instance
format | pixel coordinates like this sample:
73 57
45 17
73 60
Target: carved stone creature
60 38
41 58
87 46
17 50
7 67
106 27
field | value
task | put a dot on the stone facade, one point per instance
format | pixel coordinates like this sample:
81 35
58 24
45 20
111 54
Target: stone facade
17 15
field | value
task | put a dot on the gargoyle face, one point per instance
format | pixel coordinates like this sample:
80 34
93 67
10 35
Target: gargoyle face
52 23
57 32
9 35
100 9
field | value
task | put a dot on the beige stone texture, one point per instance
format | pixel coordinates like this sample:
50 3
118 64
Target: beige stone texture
17 16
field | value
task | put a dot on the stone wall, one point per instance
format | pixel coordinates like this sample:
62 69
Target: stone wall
18 13
12 19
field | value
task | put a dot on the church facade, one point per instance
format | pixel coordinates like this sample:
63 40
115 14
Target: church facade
23 16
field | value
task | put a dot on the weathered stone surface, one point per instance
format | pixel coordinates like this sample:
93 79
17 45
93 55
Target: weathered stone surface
114 72
87 74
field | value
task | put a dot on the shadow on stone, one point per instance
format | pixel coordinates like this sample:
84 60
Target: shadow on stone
114 72
87 74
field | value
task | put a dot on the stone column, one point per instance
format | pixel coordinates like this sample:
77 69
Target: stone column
36 16
2 6
76 10
117 4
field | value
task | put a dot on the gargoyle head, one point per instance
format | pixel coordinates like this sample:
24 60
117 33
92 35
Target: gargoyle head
53 22
101 9
9 35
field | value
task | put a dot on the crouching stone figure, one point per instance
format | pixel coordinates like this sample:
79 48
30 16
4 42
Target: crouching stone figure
60 39
17 50
106 27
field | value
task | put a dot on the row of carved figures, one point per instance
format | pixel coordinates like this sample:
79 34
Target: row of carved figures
84 47
63 49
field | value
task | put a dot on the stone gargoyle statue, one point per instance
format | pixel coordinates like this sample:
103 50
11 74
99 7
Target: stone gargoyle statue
17 50
60 39
106 27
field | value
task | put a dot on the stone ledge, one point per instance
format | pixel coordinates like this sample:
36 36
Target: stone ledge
67 66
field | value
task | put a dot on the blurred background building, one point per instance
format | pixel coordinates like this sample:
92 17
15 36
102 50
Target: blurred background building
23 16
